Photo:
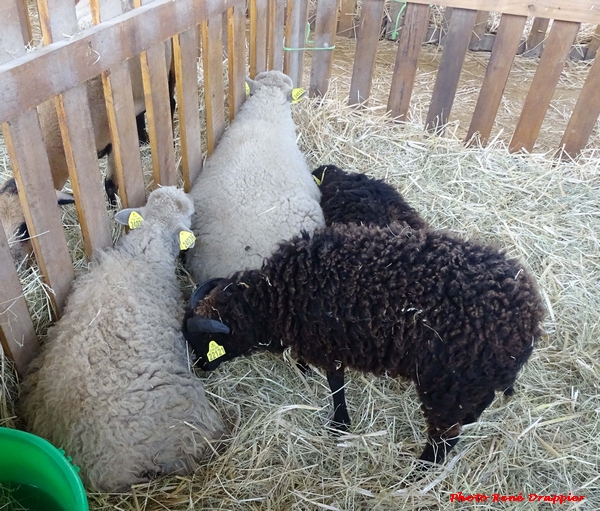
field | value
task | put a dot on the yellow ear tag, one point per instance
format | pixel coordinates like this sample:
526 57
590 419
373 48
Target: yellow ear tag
297 94
186 240
134 220
247 89
214 351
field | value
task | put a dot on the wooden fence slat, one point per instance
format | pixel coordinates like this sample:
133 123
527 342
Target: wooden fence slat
17 334
456 44
185 53
558 46
25 21
498 69
585 114
481 23
212 58
259 11
413 31
295 38
75 124
324 37
574 10
57 19
113 41
86 181
346 21
158 109
237 62
121 117
593 45
24 141
537 34
366 49
158 114
276 22
125 143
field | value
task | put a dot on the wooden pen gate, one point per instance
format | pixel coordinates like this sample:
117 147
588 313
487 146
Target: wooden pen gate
29 78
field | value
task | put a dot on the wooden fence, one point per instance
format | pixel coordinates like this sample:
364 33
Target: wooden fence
60 69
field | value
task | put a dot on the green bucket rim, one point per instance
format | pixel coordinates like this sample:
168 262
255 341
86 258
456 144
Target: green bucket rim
58 457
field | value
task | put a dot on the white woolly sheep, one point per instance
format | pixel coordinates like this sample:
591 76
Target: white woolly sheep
256 188
112 385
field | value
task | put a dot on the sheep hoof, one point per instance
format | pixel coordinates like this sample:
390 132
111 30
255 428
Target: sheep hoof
338 428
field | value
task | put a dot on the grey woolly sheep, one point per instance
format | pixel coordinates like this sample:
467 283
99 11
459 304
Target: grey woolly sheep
356 198
112 385
256 189
13 221
457 318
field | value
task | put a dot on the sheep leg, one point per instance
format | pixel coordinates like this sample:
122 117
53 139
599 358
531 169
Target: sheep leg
341 419
140 122
437 448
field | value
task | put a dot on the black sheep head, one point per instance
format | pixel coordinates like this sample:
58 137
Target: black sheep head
211 340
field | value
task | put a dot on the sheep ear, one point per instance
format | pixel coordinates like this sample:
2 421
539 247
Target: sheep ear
296 95
202 290
64 198
132 217
206 325
251 85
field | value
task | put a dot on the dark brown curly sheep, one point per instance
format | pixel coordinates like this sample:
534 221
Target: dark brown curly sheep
347 197
458 318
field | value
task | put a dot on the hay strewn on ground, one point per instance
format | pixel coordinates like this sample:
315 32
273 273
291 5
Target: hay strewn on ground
545 440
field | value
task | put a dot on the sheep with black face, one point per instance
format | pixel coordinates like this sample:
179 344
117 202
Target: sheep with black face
458 318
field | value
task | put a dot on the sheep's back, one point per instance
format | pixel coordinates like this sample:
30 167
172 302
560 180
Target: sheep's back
390 300
255 191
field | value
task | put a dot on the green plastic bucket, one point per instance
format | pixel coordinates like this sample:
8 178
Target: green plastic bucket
36 476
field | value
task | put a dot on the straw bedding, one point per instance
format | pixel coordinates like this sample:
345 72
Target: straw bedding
545 440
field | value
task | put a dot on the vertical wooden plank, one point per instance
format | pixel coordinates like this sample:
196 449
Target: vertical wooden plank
295 39
593 45
346 21
585 114
212 58
481 23
17 334
78 137
537 34
57 19
25 21
158 111
413 31
276 25
121 118
237 62
258 36
498 69
561 37
324 41
186 75
453 56
366 48
86 180
23 137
